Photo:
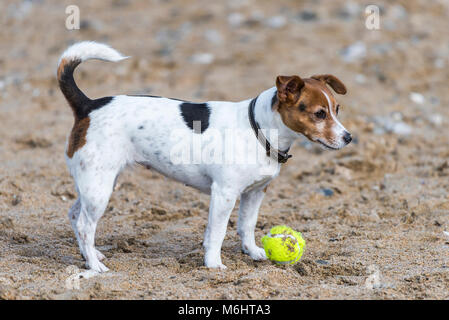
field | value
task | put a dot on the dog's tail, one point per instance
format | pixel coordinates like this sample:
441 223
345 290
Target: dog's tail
69 60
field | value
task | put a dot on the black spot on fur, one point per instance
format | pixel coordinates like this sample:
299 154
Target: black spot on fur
302 106
75 97
195 112
141 127
97 104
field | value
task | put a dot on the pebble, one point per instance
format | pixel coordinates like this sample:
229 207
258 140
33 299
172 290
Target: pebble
417 98
436 119
16 199
379 245
398 12
382 48
307 15
326 192
72 269
397 116
15 78
213 36
236 19
434 100
202 58
344 172
373 280
257 16
401 128
360 78
353 52
349 10
170 37
276 22
20 11
391 124
123 246
373 216
91 25
36 92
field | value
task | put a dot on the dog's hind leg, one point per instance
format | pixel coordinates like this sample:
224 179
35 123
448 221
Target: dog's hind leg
94 188
74 213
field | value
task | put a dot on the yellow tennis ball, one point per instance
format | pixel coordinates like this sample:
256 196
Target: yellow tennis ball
283 245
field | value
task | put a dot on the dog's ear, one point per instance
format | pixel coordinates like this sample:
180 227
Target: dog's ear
289 88
332 81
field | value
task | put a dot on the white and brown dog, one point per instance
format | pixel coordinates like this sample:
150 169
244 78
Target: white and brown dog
113 132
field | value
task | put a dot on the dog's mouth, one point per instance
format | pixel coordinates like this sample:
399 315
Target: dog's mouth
326 145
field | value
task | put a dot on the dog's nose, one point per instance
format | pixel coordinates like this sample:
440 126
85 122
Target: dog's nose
347 137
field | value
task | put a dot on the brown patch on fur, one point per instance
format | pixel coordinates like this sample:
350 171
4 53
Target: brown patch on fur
61 67
289 88
78 136
265 189
332 81
77 101
298 108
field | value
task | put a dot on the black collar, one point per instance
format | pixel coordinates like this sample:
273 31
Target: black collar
280 156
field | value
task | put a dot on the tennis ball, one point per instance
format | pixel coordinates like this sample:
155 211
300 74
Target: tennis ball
283 245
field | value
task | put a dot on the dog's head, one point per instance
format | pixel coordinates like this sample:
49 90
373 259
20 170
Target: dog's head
307 106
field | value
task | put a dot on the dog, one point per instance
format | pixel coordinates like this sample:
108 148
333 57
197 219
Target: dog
111 133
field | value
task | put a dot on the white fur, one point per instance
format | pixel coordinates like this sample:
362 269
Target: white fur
87 50
339 130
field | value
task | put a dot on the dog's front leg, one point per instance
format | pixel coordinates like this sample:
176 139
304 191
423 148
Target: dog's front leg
248 211
222 202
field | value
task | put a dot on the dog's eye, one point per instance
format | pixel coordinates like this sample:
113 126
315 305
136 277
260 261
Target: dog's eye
320 114
338 109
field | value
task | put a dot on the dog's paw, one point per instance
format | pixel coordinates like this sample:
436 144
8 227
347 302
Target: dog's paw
256 253
100 256
97 266
220 266
214 263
